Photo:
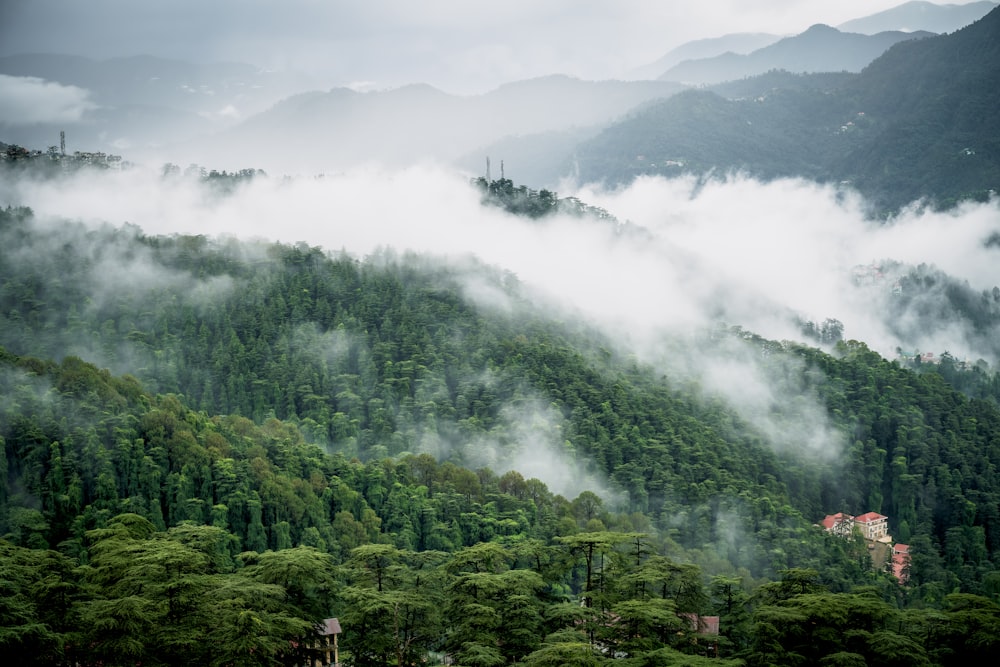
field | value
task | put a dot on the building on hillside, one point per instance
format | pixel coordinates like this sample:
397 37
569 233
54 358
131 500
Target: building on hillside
874 526
901 562
838 524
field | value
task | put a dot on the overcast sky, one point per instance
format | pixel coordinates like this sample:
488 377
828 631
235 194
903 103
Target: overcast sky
456 45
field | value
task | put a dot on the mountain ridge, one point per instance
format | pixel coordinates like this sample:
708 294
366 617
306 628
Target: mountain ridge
920 15
820 48
913 124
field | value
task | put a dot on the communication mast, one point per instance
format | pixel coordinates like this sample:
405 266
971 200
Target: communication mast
62 141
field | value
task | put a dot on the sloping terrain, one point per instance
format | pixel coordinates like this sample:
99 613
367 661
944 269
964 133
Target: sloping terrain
818 49
915 123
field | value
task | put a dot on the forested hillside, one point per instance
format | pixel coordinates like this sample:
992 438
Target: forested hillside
915 124
210 445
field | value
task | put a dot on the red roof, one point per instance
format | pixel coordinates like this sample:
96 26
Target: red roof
870 517
831 520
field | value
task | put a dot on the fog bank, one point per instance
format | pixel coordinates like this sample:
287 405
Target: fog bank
764 256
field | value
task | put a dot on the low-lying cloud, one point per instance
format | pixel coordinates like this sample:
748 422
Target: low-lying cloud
753 254
764 256
29 100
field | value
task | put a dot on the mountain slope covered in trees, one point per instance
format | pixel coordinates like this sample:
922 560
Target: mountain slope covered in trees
278 422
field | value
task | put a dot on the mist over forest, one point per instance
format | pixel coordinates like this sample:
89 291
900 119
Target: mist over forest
677 255
569 371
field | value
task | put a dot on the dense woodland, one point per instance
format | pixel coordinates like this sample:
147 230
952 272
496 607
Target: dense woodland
210 445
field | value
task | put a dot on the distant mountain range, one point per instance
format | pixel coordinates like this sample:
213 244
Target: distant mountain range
919 121
831 126
919 15
909 17
324 131
819 49
736 43
143 101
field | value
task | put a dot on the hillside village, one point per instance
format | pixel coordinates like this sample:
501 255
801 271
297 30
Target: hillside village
874 528
56 156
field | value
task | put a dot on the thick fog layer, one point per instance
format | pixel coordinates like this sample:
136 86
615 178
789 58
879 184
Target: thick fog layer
684 258
762 256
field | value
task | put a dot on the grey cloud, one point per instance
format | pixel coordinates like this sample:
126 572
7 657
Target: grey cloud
26 100
723 251
453 44
760 255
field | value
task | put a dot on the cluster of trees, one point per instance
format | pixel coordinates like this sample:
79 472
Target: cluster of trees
52 163
522 200
185 596
266 406
226 181
138 531
384 358
926 299
828 332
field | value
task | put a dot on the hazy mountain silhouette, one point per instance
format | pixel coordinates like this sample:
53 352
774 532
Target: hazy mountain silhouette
331 130
737 43
920 15
918 121
145 101
818 49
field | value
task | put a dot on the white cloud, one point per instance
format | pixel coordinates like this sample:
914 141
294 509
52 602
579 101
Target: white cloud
228 113
27 100
738 251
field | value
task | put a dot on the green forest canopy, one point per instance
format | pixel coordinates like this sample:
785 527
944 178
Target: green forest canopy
262 463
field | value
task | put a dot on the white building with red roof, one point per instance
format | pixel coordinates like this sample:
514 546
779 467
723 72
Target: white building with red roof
874 526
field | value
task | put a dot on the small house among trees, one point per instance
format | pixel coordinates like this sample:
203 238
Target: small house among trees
873 526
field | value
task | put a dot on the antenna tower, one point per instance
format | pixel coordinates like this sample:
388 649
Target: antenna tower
487 169
62 141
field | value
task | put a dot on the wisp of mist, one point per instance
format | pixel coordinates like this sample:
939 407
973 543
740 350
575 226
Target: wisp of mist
764 256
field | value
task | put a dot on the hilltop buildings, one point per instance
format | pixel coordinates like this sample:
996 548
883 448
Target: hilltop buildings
874 528
57 157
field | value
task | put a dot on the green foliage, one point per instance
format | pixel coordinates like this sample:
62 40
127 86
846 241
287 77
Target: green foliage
291 444
522 200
